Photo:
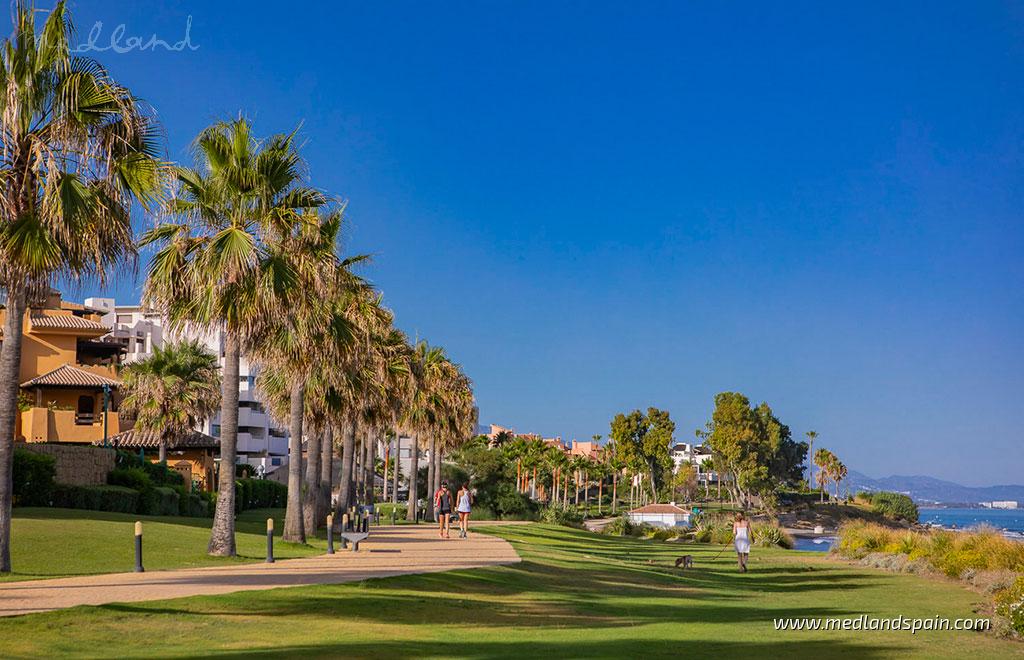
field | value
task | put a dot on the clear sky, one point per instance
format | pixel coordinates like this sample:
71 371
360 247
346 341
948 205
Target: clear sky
596 206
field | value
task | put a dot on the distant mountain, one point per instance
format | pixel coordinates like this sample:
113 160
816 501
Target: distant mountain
932 490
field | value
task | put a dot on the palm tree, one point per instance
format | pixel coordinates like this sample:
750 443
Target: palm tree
422 409
171 391
837 472
616 465
77 150
823 458
811 437
221 267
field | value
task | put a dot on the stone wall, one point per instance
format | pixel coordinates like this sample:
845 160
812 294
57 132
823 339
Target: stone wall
77 465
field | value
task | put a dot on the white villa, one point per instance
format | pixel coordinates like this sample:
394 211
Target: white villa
660 515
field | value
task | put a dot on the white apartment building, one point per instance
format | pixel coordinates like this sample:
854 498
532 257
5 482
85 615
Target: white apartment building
684 452
261 441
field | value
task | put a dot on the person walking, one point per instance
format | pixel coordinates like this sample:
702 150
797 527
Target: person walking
443 506
465 502
741 539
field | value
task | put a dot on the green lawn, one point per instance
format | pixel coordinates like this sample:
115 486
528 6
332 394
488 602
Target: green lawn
575 594
60 542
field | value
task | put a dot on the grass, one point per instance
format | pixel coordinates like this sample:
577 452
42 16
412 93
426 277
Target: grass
52 543
575 594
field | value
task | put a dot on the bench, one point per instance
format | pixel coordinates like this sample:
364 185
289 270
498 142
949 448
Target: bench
354 538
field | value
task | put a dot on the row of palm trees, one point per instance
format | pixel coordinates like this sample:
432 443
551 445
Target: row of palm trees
830 468
244 246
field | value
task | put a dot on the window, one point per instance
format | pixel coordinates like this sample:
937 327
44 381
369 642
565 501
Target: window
215 430
275 461
124 318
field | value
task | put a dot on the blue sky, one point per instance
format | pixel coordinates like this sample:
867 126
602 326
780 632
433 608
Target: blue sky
598 206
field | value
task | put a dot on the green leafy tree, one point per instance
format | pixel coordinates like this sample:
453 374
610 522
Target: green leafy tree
684 482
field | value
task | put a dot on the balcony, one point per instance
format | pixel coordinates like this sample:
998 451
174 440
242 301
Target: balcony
44 425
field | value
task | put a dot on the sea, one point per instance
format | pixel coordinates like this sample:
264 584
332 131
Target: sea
1009 521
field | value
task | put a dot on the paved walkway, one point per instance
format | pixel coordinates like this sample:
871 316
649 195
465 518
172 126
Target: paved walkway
398 550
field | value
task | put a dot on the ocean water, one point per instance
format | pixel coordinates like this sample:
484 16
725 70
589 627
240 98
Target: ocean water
1009 521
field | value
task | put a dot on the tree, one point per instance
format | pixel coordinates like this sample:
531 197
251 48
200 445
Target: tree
837 472
171 391
824 459
811 437
786 465
657 445
219 264
78 149
684 482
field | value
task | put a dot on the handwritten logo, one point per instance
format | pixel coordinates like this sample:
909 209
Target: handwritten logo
121 44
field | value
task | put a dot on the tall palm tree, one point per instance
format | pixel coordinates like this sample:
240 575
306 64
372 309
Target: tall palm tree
811 437
219 263
171 391
77 150
837 472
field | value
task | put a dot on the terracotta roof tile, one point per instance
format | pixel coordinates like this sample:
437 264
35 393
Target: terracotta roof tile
68 322
135 439
659 508
68 376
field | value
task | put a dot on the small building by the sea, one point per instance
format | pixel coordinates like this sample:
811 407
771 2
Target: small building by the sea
660 515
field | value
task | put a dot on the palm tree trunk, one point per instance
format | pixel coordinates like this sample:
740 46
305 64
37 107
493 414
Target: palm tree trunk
387 461
615 492
162 452
294 529
348 451
222 536
10 372
414 466
326 470
519 475
554 480
600 495
438 478
311 497
394 476
428 506
371 467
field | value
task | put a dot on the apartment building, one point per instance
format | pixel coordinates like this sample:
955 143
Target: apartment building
262 441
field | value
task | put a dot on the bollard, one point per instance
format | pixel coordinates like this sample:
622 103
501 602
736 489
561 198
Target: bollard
330 534
270 540
138 548
393 516
365 526
344 528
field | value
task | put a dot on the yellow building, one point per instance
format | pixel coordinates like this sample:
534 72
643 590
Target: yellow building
192 455
67 375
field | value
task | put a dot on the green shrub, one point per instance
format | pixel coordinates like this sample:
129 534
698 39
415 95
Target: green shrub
191 504
161 475
97 498
555 514
507 502
1010 605
894 505
264 493
711 528
621 526
770 534
134 477
166 501
33 478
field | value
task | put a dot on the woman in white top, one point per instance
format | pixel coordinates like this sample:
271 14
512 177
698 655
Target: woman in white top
741 536
464 506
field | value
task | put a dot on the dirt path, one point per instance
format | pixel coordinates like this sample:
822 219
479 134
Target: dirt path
398 550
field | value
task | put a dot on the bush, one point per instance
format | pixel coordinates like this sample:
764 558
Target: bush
894 505
192 504
621 526
161 475
556 514
770 534
507 502
712 528
166 501
134 477
1010 605
97 498
33 478
260 494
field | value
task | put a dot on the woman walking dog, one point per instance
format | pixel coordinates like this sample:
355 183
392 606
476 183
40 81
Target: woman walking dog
741 537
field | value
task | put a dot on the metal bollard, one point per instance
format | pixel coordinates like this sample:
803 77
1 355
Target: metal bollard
330 534
270 540
138 548
344 528
365 527
393 516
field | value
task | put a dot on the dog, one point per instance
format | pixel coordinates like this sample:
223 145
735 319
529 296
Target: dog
686 561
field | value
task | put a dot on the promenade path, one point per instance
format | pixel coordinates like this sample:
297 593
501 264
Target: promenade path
390 551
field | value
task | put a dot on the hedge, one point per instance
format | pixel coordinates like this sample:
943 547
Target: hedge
259 494
98 498
33 478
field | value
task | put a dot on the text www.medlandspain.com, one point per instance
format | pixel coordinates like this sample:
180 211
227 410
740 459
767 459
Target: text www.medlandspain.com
865 622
